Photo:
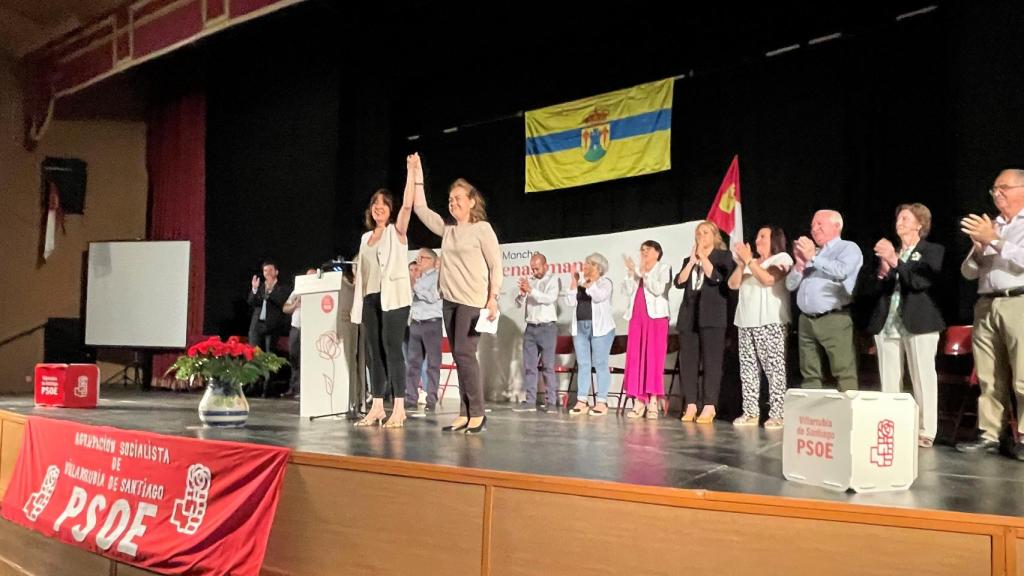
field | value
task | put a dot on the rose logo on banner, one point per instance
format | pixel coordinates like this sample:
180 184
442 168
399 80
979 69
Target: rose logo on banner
882 453
189 511
38 500
82 386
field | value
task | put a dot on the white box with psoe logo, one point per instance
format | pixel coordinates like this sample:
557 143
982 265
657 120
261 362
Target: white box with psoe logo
865 441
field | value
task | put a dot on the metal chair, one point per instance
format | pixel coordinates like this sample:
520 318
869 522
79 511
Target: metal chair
449 366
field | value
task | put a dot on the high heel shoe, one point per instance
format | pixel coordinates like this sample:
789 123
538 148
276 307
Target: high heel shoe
395 423
707 416
477 429
689 415
637 411
371 420
453 427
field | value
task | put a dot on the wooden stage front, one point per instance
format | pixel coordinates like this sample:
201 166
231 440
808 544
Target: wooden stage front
543 494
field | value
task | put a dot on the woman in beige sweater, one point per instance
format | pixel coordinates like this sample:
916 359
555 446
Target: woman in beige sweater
469 280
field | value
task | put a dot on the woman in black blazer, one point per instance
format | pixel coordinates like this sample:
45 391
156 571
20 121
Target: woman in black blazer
905 319
703 319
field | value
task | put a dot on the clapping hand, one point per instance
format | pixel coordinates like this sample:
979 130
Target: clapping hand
630 266
743 253
886 252
981 229
804 247
255 282
524 286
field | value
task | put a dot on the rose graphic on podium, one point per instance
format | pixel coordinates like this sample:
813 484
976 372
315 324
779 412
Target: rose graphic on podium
882 453
328 347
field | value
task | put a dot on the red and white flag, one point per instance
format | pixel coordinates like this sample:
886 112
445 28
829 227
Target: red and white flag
726 211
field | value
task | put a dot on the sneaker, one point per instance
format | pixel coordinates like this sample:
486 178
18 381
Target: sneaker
774 424
746 421
523 407
542 408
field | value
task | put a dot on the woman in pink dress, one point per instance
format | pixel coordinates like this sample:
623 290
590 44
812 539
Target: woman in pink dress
647 284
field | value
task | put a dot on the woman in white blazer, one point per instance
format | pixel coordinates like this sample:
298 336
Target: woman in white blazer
593 330
647 285
381 302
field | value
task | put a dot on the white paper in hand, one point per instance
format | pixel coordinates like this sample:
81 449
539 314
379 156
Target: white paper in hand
485 326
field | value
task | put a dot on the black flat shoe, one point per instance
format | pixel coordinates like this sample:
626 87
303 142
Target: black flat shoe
477 429
979 446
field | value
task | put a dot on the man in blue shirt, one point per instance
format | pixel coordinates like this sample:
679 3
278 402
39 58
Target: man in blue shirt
424 331
823 276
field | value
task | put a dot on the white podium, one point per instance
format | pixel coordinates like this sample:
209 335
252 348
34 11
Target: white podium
866 441
329 342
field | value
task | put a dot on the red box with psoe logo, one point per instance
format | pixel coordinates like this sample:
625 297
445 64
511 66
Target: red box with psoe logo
67 385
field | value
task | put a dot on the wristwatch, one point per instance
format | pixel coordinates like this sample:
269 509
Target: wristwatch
996 244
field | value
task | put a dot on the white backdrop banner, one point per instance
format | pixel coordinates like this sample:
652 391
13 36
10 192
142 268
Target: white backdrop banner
501 354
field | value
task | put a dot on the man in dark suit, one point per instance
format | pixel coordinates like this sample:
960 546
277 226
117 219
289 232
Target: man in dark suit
266 299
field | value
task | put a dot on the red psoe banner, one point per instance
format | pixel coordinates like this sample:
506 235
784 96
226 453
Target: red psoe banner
164 503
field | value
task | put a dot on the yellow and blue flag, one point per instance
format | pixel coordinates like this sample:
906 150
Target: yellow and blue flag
614 135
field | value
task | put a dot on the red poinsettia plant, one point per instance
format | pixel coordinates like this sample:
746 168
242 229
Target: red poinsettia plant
231 363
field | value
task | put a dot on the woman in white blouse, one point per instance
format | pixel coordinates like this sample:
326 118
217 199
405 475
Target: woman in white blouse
593 330
381 303
647 285
762 317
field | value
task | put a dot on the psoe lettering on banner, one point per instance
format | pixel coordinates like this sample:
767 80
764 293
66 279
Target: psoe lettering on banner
816 448
115 527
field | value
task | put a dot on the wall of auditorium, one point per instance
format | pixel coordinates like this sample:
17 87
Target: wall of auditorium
115 208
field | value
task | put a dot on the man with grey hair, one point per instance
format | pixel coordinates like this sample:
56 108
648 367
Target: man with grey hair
538 294
997 261
424 331
823 276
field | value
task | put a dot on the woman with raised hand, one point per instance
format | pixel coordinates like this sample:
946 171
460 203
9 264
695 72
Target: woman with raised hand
469 281
381 303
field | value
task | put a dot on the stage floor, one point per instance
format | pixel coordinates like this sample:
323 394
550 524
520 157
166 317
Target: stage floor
663 452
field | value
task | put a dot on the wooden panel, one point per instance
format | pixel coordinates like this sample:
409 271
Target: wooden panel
374 524
10 446
543 533
1020 555
38 555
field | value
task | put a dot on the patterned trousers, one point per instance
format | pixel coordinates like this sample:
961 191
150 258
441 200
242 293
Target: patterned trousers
763 348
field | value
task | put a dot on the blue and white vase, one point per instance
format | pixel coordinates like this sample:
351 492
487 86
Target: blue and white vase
223 405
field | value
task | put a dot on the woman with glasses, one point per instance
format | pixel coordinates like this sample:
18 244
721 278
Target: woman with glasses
906 321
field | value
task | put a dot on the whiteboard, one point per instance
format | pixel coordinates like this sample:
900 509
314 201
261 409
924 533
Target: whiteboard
137 294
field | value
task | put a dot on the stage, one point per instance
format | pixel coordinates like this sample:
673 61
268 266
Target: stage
546 493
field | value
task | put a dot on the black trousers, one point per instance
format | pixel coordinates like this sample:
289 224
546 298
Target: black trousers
385 332
699 346
460 323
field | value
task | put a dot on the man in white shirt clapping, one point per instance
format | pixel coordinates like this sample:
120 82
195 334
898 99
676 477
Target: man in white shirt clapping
538 294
